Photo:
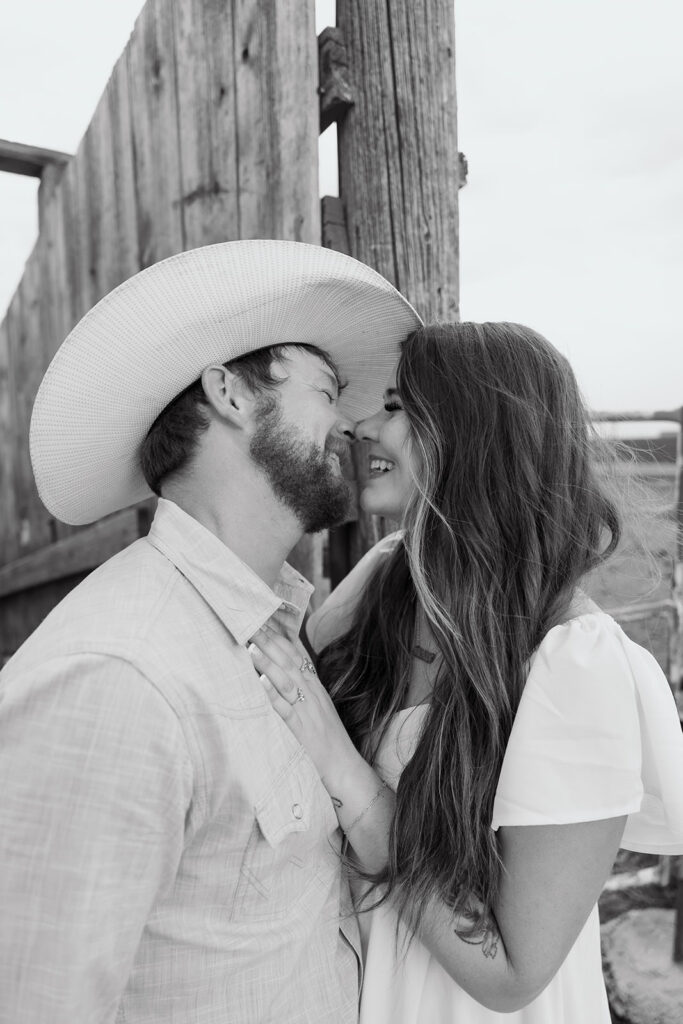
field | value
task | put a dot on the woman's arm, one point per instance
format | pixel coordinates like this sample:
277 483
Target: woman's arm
552 876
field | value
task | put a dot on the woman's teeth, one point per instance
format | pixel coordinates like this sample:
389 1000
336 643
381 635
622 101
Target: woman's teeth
381 465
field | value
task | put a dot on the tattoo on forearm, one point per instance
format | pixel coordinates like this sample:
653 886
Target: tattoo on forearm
478 931
488 941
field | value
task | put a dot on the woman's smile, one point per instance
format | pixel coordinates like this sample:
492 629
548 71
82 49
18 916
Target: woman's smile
378 465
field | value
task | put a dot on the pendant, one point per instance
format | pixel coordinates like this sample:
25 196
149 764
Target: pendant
423 654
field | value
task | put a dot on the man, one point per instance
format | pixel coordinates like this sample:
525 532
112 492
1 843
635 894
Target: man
168 852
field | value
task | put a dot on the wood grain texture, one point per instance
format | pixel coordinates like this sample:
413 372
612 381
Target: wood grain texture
276 78
334 86
398 154
9 544
122 170
156 145
55 314
98 159
27 360
204 43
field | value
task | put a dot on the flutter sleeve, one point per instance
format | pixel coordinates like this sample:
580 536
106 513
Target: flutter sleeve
596 735
334 616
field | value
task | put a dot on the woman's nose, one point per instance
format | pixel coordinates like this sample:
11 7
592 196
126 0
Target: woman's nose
366 430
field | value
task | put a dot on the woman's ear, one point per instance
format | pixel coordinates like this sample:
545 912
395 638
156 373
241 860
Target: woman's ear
227 394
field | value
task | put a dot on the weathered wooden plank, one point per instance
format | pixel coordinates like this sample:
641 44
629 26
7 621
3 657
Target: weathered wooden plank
125 237
97 158
334 85
9 542
62 259
28 363
334 233
276 78
80 552
68 243
17 158
204 41
49 180
84 200
398 152
154 119
57 315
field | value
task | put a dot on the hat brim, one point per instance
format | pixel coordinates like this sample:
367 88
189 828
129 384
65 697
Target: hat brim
151 337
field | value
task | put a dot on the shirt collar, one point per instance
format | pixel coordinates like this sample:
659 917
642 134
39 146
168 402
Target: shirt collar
240 598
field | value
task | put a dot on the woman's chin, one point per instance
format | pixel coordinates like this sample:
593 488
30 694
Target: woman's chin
374 506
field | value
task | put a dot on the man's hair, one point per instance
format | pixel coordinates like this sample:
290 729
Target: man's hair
173 437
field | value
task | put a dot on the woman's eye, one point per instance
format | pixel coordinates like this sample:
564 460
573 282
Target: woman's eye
392 407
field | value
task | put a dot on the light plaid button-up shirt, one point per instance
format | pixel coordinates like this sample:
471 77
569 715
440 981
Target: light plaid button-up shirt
168 852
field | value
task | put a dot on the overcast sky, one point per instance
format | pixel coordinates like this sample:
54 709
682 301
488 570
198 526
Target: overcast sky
570 115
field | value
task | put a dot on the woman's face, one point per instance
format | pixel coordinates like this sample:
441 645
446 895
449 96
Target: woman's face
392 463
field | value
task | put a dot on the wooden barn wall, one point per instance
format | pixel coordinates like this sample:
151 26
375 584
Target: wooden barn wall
207 131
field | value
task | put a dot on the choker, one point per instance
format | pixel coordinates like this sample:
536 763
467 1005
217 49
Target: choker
423 654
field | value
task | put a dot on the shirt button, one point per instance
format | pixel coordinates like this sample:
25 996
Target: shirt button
297 811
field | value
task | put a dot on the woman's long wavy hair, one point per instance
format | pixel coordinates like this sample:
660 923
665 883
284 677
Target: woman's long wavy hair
506 517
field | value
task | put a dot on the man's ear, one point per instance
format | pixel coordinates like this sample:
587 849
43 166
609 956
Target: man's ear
228 395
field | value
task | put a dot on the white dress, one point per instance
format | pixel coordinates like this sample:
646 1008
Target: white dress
596 735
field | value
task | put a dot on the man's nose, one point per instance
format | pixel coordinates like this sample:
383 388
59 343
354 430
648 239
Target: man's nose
344 428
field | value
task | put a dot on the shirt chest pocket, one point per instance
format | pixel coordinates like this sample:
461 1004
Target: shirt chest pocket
293 843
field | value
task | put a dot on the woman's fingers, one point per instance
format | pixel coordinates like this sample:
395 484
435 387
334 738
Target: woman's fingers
278 677
284 652
287 669
282 706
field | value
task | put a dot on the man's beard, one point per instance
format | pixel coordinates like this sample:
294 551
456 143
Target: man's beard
299 471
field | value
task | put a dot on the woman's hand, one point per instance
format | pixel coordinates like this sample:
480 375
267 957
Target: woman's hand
363 802
298 696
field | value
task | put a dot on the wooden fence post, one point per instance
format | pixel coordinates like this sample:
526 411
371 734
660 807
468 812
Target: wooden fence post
399 170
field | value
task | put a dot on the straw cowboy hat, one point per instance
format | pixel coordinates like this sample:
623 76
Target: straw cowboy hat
151 337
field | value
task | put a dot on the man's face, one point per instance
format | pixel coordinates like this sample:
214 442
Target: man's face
298 442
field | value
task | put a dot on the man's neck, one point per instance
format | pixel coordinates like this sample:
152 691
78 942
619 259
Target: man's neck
260 532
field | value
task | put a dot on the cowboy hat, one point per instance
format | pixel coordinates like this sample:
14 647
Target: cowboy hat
150 338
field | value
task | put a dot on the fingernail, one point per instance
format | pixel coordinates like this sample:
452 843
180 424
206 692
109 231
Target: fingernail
252 649
264 679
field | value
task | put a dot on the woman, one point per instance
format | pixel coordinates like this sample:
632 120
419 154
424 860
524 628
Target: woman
490 737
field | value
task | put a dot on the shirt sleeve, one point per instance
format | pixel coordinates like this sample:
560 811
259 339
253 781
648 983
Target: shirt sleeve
334 616
574 753
96 783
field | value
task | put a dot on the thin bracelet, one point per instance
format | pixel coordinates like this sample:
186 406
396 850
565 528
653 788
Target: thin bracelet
366 809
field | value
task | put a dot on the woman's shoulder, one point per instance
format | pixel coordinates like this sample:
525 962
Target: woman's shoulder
590 670
596 734
333 618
